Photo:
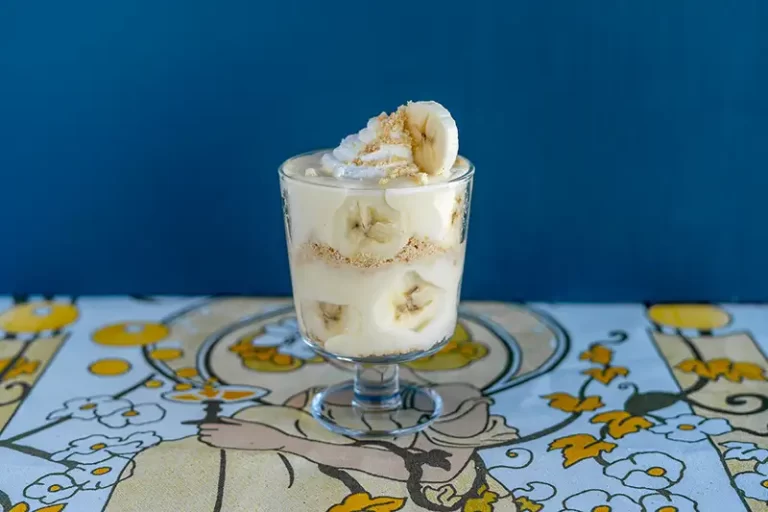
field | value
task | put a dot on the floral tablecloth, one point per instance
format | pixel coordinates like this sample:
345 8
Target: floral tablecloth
200 404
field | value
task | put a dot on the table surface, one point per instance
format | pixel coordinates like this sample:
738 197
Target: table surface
548 407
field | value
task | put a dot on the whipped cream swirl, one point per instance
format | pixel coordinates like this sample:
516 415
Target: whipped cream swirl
381 150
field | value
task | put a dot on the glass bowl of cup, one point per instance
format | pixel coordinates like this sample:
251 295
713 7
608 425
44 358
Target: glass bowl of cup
376 274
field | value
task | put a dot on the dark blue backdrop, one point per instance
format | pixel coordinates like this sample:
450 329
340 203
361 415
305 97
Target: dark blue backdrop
621 146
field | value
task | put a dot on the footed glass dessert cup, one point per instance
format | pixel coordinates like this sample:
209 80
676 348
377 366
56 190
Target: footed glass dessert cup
376 271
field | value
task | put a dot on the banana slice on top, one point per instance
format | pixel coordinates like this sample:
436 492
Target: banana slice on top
435 136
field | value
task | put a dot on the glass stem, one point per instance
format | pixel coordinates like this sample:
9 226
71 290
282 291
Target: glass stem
377 387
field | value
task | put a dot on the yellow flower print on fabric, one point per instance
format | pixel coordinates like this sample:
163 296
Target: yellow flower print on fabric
38 316
526 505
621 423
22 367
131 334
187 373
702 317
570 403
603 356
483 503
716 368
166 354
579 447
24 507
109 367
459 352
597 354
606 375
364 502
154 384
264 359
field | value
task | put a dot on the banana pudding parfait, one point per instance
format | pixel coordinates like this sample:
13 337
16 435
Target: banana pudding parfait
376 232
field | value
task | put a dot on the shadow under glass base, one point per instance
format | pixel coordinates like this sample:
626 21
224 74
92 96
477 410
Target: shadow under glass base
377 403
418 408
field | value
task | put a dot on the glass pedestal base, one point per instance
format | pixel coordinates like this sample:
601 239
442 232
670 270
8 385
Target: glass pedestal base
376 404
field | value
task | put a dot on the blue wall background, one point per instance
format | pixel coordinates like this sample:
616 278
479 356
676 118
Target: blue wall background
621 146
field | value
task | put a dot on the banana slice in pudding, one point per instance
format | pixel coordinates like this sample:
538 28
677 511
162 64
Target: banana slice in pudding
411 304
324 320
369 226
430 214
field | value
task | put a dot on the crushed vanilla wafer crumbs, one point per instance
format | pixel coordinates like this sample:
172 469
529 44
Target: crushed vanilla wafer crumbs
393 129
414 250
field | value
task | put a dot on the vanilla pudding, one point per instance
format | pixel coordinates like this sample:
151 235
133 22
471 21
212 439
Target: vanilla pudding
376 234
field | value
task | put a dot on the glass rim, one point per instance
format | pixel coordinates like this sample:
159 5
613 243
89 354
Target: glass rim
461 178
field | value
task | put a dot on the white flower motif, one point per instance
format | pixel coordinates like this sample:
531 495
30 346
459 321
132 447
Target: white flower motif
134 415
51 488
754 484
660 503
588 501
277 333
690 428
102 474
286 336
89 408
96 448
646 470
744 451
